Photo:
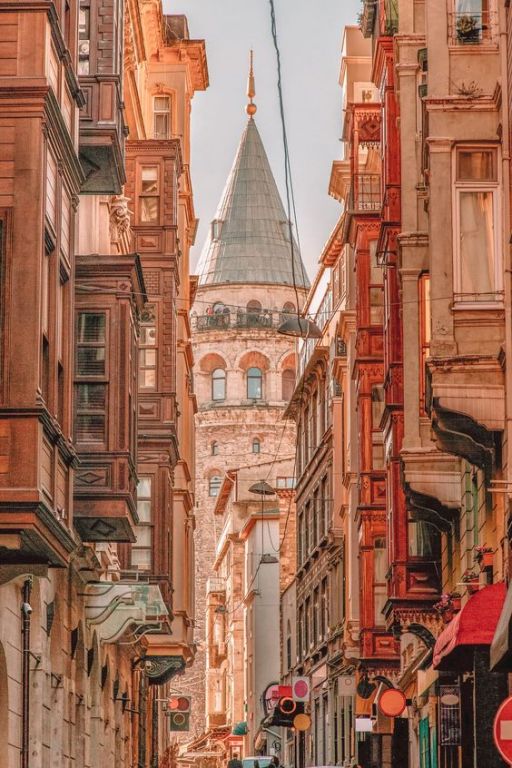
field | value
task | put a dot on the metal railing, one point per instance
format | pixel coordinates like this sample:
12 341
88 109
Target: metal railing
221 321
366 193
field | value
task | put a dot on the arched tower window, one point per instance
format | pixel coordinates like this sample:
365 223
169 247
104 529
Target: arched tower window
256 445
215 448
253 307
214 485
254 384
288 383
219 384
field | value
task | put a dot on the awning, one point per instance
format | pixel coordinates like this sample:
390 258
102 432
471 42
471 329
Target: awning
501 647
240 729
474 625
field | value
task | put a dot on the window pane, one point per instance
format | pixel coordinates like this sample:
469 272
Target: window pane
144 511
147 378
91 328
149 178
144 487
254 384
477 267
161 126
476 165
376 306
148 209
91 361
141 558
161 103
148 336
91 397
90 428
143 534
214 485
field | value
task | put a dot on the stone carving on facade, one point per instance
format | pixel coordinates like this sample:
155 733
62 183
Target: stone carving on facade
119 218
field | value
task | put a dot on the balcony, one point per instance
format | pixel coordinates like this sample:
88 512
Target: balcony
365 194
226 320
124 608
102 134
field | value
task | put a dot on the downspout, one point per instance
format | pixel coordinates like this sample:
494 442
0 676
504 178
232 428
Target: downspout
25 671
507 266
154 728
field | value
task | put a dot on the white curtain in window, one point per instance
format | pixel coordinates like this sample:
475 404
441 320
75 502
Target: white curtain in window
477 257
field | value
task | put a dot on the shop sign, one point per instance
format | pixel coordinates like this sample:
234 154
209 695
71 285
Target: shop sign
449 716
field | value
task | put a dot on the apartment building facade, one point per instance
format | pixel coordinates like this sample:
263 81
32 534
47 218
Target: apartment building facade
87 603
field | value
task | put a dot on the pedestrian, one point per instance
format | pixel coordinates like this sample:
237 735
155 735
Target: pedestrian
235 762
275 762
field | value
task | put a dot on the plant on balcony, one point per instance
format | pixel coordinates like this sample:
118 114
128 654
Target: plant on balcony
472 581
445 608
468 29
484 556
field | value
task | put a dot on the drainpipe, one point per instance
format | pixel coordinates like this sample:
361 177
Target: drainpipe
25 671
154 728
507 272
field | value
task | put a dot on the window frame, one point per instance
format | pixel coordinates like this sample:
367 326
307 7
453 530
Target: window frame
149 320
145 525
141 195
250 377
159 112
213 484
256 443
214 379
89 379
463 300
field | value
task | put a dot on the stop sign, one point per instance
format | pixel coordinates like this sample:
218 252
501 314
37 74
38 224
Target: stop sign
503 730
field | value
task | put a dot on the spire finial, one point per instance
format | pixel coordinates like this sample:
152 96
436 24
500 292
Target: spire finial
251 90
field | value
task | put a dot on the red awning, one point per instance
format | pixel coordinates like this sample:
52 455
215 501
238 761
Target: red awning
474 625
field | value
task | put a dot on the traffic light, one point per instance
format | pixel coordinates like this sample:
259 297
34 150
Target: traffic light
285 712
178 708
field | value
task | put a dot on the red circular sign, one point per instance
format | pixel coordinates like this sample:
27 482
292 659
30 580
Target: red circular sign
392 702
300 689
502 730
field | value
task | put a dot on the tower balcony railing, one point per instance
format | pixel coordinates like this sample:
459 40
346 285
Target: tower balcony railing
230 318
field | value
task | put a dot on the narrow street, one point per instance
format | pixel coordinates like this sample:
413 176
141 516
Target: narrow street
255 399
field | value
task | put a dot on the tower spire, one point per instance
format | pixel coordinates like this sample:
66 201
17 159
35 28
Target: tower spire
251 90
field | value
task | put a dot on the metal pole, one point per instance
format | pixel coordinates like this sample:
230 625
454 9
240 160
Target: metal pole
25 672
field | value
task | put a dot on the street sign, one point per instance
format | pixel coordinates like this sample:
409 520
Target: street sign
301 688
392 702
503 730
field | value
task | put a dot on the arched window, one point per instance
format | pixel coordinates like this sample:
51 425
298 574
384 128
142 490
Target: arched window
254 384
214 485
288 308
288 383
256 445
219 384
253 307
215 448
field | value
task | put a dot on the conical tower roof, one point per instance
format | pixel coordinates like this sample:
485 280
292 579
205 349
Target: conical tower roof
249 239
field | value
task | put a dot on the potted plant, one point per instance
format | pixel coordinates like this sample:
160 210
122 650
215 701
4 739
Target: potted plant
472 581
445 608
468 30
484 556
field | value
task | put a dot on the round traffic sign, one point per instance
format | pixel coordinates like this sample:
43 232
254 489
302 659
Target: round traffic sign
301 722
502 730
392 702
300 688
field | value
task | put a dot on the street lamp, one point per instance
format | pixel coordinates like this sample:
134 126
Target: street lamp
300 327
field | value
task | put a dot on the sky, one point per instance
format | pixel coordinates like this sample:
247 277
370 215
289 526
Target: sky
310 38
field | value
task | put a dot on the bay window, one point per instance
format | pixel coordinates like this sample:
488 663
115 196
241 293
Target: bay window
477 267
161 117
149 195
380 592
148 349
